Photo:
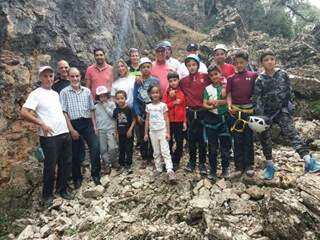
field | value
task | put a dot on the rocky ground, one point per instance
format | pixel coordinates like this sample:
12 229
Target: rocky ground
137 206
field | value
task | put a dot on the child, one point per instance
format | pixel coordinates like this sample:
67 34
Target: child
125 124
140 99
273 98
239 96
193 88
175 100
216 129
106 128
157 124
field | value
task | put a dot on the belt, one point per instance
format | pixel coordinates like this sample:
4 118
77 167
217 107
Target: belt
248 109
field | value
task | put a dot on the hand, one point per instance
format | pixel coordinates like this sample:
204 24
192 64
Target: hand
75 135
96 131
146 137
139 120
177 102
184 127
47 131
224 92
139 79
231 110
172 93
167 136
129 133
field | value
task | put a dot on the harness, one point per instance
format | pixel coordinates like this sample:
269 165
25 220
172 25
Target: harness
215 127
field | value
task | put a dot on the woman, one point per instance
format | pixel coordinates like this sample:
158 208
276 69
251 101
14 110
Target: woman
134 62
123 81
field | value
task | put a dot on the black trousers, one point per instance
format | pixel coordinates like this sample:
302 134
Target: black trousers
57 151
195 136
85 129
146 150
177 136
243 149
125 150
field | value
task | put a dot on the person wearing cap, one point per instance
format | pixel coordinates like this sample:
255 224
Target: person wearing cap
123 81
219 54
54 135
172 62
140 99
193 87
160 67
183 71
100 73
79 111
133 63
62 79
106 127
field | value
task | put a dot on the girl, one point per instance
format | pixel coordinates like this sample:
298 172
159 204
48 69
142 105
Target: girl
157 123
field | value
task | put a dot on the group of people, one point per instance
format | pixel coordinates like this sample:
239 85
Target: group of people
162 103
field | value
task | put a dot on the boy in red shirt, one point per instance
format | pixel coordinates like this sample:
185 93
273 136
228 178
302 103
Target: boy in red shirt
193 87
175 100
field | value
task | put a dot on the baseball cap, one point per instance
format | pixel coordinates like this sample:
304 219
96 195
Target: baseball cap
101 90
161 45
220 47
144 60
44 68
192 47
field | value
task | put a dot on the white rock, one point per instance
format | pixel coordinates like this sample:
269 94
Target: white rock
127 218
52 237
44 231
200 202
93 192
27 233
137 185
105 180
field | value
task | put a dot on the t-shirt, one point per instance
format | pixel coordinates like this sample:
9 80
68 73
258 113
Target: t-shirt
173 64
183 70
215 93
99 77
161 72
156 116
47 106
126 84
104 115
60 84
227 70
124 118
134 72
241 86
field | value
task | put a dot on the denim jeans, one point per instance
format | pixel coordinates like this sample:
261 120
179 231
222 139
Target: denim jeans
85 128
57 151
176 130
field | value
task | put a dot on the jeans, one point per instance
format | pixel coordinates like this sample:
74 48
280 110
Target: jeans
176 130
108 146
195 136
146 150
57 151
243 149
85 128
125 150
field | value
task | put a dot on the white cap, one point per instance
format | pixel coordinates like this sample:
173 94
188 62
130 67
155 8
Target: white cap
44 68
101 90
220 47
144 60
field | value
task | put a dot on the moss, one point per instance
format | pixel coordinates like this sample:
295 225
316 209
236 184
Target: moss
315 108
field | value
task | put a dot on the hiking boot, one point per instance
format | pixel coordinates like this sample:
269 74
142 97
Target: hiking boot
268 172
46 202
312 167
225 173
116 165
189 167
96 180
172 176
77 184
66 196
250 171
129 170
203 169
236 174
175 167
144 164
213 177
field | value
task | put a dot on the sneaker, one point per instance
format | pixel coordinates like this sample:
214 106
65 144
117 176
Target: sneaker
312 167
203 169
46 202
116 165
66 196
96 181
156 173
189 168
236 174
129 170
213 177
250 171
144 164
77 184
175 167
225 174
268 172
172 176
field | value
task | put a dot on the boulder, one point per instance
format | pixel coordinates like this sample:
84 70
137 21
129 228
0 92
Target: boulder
93 192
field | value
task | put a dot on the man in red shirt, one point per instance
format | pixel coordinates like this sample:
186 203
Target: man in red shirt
193 87
100 73
219 53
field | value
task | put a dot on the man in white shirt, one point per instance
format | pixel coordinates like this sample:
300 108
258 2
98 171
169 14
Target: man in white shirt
55 139
192 48
172 62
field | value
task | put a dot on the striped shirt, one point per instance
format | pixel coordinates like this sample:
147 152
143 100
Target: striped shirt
78 104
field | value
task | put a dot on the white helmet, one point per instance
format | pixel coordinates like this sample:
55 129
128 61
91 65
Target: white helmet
144 60
220 47
258 123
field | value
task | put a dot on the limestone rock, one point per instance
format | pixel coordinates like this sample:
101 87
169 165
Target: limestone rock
93 192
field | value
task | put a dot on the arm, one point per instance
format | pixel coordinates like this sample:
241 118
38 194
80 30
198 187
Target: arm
110 106
229 102
130 130
74 133
136 109
94 123
87 80
167 99
28 115
257 97
166 118
146 128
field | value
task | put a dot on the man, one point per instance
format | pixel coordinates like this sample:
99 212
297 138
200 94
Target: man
62 80
219 54
100 73
172 62
79 111
160 68
54 135
192 48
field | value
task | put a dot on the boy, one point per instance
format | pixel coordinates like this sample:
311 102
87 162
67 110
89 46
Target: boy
239 96
140 99
125 123
193 87
175 100
216 129
273 97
